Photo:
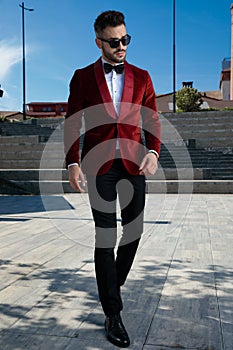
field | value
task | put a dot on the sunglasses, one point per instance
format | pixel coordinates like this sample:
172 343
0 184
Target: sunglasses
114 43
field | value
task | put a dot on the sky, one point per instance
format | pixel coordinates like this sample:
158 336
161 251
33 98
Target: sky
60 38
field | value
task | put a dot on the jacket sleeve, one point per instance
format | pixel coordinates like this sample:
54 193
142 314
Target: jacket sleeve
73 121
150 118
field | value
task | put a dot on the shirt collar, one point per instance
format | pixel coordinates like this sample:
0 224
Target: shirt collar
113 64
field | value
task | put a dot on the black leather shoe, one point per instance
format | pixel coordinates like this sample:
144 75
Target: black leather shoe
116 332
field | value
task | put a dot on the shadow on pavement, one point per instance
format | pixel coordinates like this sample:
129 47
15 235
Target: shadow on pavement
70 317
30 204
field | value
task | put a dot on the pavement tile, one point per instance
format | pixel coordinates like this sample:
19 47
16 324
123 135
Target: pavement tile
92 344
53 321
20 341
178 294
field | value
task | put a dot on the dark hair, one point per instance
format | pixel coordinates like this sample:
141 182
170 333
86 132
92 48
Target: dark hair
108 19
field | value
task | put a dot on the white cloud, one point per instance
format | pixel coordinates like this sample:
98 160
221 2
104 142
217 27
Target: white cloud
10 55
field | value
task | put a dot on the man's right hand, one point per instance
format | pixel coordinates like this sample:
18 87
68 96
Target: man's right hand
75 177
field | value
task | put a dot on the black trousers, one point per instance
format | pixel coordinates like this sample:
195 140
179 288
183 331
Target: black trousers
112 270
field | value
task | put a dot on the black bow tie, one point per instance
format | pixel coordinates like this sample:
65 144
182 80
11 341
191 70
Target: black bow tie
119 69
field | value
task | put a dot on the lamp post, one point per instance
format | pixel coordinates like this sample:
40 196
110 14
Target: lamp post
24 69
174 56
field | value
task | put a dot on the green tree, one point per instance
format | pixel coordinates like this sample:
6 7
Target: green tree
188 100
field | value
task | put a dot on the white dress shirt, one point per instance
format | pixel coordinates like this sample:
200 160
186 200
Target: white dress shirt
115 84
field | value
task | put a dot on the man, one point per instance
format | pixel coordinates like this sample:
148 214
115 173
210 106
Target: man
117 101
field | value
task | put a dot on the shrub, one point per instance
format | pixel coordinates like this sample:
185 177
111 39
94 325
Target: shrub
189 100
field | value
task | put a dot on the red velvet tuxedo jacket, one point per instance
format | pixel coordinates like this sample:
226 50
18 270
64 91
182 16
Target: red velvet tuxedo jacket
90 104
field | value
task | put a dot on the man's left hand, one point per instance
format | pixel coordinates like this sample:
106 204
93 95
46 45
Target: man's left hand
149 164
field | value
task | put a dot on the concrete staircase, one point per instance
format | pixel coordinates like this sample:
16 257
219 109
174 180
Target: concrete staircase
41 128
199 158
31 167
21 129
208 130
196 156
27 152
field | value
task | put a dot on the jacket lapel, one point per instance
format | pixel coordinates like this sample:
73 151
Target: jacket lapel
103 88
127 95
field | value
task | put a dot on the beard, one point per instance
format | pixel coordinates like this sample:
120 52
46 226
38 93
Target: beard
112 57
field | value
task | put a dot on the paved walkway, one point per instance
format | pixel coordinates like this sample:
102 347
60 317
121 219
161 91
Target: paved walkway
179 294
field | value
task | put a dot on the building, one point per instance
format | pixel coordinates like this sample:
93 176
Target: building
11 116
231 68
46 109
211 99
225 78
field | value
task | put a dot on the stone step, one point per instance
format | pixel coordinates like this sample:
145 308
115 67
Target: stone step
202 142
58 174
223 174
196 163
216 121
15 147
29 139
21 156
152 186
32 155
198 134
54 160
166 160
193 125
34 174
222 177
197 158
30 164
25 144
203 115
163 172
20 147
22 128
190 186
